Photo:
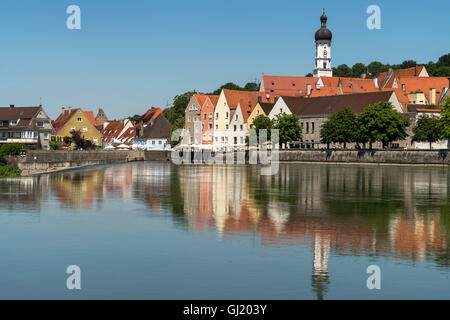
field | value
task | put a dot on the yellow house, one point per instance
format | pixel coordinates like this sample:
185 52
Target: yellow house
260 109
78 120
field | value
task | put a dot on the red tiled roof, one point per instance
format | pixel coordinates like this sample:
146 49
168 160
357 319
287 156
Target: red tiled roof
90 115
416 84
201 98
386 79
63 118
325 91
234 97
283 84
356 85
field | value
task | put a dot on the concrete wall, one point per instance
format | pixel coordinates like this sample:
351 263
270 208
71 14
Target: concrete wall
40 161
366 156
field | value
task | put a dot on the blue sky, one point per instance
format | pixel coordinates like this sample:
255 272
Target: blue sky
131 55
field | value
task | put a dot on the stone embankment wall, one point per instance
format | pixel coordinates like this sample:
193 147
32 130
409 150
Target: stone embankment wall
435 157
50 161
37 161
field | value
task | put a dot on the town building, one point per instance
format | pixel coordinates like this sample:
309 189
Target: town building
314 112
25 125
118 132
226 117
261 109
101 117
155 135
78 120
207 119
193 125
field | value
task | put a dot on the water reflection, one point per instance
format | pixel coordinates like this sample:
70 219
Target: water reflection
396 212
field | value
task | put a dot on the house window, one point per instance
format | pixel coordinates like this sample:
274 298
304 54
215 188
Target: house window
257 111
13 122
242 127
307 127
79 119
217 127
40 123
210 115
226 127
95 140
210 126
72 129
217 115
204 137
210 137
235 127
312 127
236 117
84 129
226 115
46 136
205 115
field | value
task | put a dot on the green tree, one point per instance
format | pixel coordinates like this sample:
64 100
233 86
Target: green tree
178 124
288 127
80 142
262 122
343 70
358 69
178 108
134 118
408 64
251 86
377 67
340 128
444 61
445 120
380 122
427 129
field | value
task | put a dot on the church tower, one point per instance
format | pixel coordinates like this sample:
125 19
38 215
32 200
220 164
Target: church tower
323 50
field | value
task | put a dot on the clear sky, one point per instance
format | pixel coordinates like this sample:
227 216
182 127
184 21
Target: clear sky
131 55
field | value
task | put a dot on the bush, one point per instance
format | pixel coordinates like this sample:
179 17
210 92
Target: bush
55 146
10 171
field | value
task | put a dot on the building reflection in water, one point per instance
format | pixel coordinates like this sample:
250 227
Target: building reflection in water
397 212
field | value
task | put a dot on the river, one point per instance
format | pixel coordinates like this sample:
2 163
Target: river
154 230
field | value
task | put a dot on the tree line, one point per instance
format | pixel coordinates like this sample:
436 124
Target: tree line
441 68
379 122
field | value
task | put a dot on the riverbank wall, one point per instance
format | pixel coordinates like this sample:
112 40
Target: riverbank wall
37 161
405 157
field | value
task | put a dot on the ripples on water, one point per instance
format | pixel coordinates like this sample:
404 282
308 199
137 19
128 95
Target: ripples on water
318 212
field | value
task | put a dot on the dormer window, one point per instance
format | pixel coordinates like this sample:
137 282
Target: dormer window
13 123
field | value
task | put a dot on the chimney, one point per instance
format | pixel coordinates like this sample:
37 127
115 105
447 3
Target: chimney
11 106
432 96
308 89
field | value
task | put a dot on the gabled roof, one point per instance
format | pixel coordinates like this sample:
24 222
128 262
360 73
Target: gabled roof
356 85
16 113
90 115
213 98
325 106
235 97
159 128
62 119
267 107
386 79
284 84
66 115
201 98
416 84
150 115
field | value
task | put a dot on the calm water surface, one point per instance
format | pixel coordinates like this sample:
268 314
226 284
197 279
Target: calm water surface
159 231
